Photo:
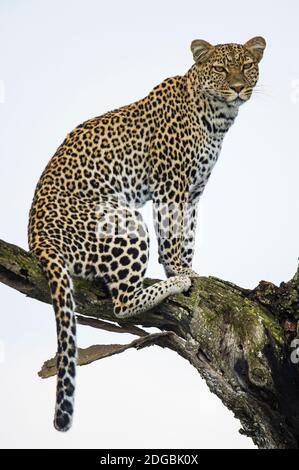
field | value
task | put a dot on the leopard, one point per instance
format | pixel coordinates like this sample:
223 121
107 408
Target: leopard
85 218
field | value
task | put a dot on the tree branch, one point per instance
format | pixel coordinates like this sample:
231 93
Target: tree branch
104 325
100 351
237 339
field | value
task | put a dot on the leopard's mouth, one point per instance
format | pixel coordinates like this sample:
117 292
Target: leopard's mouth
237 98
229 97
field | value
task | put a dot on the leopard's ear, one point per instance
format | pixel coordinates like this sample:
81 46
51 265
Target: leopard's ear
201 50
256 46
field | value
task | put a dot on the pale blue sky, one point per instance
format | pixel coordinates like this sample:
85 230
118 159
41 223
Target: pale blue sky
63 62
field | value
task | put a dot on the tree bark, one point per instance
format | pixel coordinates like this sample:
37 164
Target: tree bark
239 340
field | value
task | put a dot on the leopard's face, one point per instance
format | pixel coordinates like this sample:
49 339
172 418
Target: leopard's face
228 72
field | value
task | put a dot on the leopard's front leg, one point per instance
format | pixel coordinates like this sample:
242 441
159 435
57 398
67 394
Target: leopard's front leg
189 230
175 223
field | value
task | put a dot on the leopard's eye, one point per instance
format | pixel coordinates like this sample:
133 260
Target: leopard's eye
219 68
247 66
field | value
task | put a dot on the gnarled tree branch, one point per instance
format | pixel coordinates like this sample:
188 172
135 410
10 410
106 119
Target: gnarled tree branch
239 340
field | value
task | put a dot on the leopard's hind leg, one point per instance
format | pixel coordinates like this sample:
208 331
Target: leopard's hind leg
142 299
123 264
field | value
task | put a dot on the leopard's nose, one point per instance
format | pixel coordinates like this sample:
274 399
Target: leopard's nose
237 87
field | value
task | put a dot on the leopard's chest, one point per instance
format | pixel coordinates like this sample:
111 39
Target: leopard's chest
206 155
211 123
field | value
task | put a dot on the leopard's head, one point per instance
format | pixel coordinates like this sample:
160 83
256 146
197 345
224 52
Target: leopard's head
228 72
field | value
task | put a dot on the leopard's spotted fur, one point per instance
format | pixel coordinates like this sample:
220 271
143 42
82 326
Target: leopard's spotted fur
84 219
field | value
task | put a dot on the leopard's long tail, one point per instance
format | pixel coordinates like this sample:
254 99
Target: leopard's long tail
61 289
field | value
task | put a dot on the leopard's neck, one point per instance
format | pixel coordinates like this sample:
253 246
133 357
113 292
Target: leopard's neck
216 115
